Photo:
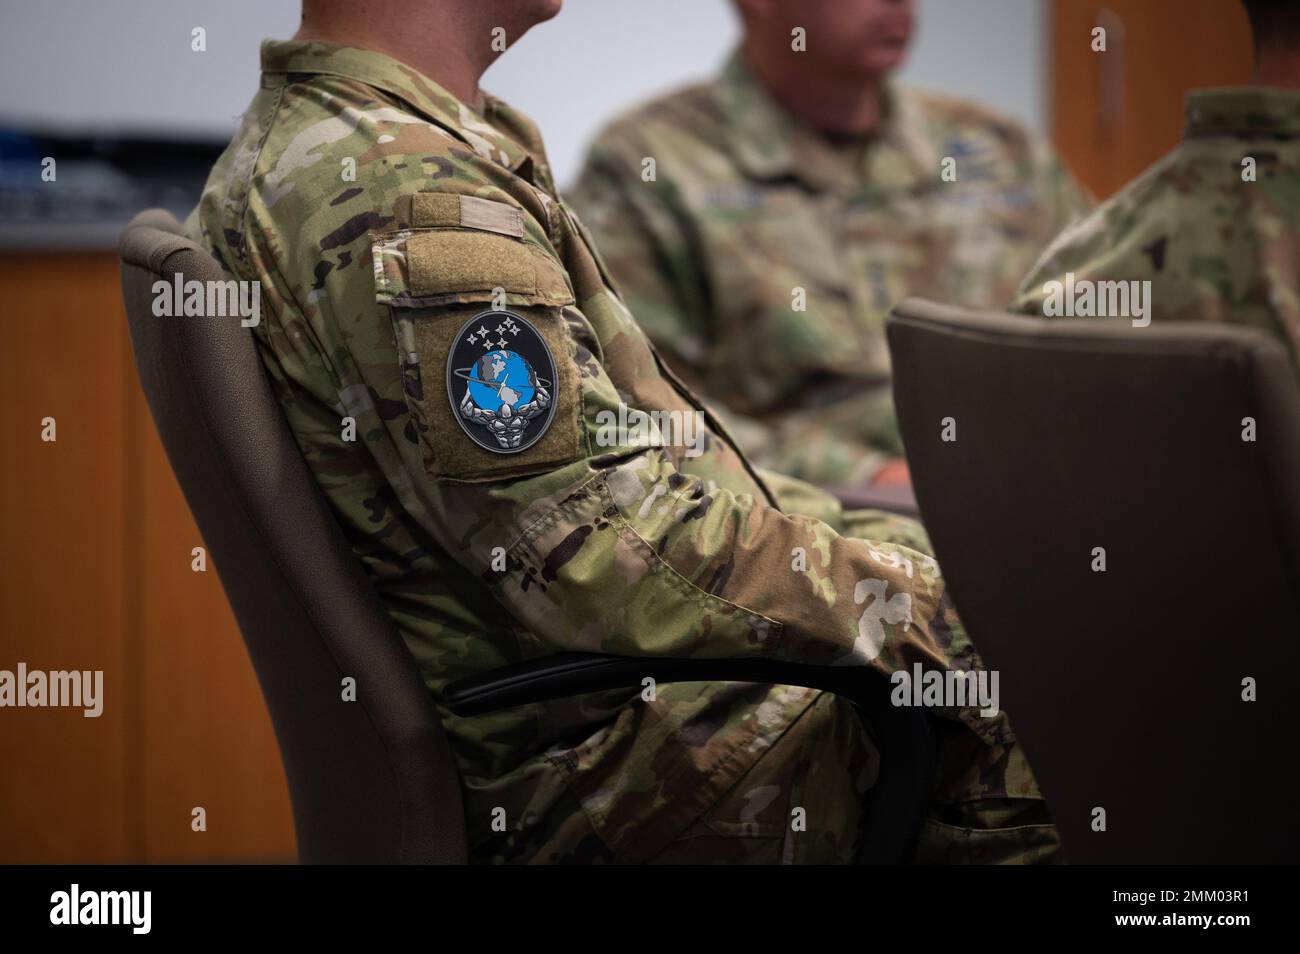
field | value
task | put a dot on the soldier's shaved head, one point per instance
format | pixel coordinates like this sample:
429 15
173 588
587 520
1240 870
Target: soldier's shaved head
1274 22
452 41
1275 25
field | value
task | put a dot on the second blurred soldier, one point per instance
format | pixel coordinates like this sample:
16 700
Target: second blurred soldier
762 225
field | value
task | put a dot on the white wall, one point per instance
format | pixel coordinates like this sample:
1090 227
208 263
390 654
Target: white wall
114 64
625 50
128 63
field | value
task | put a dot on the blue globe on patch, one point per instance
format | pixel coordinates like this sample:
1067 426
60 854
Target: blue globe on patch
506 403
500 378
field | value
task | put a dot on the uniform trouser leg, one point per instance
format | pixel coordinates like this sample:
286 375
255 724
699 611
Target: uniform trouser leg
814 781
986 807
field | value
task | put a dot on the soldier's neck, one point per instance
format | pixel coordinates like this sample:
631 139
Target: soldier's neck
455 59
839 104
1277 67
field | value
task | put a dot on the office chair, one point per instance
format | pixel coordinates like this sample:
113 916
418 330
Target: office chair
1123 683
374 780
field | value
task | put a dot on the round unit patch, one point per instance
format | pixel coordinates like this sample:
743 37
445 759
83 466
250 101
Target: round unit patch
501 382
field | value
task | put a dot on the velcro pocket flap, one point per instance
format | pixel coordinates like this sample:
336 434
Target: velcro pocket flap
448 265
443 210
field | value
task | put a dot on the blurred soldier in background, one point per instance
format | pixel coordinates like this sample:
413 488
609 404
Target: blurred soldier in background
761 225
1214 226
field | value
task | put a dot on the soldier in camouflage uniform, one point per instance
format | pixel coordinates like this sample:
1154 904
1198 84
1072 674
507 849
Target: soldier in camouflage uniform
762 255
381 214
1214 225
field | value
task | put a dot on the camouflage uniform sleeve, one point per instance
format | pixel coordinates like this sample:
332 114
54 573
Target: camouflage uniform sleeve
1108 243
586 547
647 245
642 559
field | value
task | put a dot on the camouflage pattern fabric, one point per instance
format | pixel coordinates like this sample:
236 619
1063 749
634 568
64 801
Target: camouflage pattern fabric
746 205
380 214
1214 225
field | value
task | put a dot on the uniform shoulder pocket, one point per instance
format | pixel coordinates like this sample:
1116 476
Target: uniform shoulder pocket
488 365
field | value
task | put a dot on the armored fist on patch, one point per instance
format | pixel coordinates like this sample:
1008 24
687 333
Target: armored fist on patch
500 379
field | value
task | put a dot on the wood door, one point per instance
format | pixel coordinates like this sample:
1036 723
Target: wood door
1116 112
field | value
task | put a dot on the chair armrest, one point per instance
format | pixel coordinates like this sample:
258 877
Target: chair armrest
894 498
573 674
895 806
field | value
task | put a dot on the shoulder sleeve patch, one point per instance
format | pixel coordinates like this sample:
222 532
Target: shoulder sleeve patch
488 363
492 394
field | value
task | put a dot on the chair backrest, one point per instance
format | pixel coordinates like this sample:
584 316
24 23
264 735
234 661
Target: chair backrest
1124 684
371 780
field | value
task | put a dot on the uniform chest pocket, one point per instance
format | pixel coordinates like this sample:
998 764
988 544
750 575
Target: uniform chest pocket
488 365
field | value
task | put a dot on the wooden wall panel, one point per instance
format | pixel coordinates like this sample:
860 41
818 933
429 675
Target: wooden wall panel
205 734
62 600
95 574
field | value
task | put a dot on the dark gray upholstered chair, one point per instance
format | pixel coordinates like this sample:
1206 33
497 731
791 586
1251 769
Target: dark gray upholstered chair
1125 685
372 780
375 780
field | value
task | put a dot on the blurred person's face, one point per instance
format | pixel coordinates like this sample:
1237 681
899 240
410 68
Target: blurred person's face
865 38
